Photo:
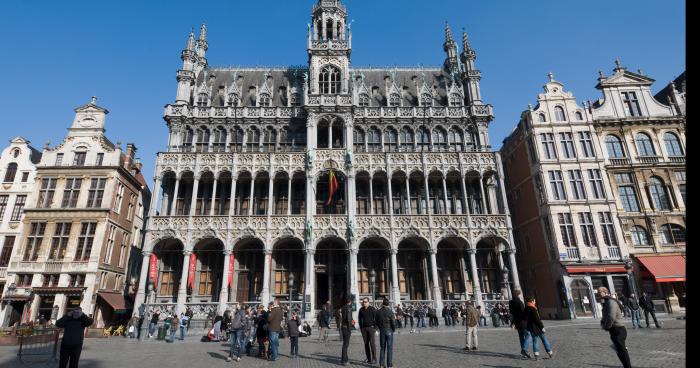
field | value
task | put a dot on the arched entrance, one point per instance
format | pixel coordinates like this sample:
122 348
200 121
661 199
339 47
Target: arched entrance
373 255
208 271
248 270
170 258
331 268
413 269
580 294
452 268
287 259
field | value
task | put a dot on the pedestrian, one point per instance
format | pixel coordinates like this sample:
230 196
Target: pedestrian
612 322
482 318
73 325
338 317
262 332
189 313
454 315
387 327
174 325
472 323
519 323
446 315
154 322
368 325
399 316
217 327
346 326
633 306
274 320
226 322
648 306
536 328
408 315
166 324
133 326
237 332
293 333
623 304
433 317
184 321
324 320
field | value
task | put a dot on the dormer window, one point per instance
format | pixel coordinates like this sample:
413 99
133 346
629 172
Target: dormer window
455 100
329 80
559 114
394 100
265 100
426 100
233 99
579 116
15 152
79 158
202 100
631 104
363 100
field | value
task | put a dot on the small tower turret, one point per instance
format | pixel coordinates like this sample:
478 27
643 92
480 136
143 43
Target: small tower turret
470 75
450 47
185 76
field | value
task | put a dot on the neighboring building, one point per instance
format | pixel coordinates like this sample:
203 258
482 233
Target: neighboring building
645 161
417 211
17 170
565 221
80 223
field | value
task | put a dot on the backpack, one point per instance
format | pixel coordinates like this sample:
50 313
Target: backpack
237 323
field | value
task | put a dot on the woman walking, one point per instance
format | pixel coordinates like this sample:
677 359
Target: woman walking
536 328
293 333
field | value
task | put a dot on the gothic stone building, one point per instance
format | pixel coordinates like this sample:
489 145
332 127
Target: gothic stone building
369 181
81 220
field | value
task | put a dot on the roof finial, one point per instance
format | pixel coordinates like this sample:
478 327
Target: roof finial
203 31
618 66
550 75
465 41
190 40
448 33
600 73
93 100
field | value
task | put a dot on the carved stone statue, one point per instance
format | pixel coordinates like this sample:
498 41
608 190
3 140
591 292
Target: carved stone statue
309 230
348 157
310 158
351 231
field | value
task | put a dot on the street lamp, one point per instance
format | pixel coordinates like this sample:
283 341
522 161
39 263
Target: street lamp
291 286
372 279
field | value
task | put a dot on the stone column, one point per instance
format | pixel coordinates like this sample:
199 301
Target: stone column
513 267
353 279
182 289
475 277
309 285
213 197
465 209
232 204
408 195
143 281
289 196
427 194
483 196
395 290
223 295
173 206
270 193
193 200
444 190
371 195
389 195
155 197
266 277
251 199
436 281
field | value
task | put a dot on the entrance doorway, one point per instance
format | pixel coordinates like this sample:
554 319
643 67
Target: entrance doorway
580 293
332 278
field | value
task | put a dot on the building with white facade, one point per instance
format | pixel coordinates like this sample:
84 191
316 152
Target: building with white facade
348 180
17 170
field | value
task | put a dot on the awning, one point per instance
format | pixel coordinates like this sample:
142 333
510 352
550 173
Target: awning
664 268
15 298
115 300
53 290
618 268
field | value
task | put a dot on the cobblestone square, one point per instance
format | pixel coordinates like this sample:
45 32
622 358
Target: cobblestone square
578 343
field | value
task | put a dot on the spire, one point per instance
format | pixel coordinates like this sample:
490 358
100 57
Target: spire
190 41
448 33
203 32
465 41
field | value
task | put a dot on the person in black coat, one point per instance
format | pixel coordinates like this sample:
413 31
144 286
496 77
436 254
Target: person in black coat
519 323
648 306
368 325
73 325
346 326
536 327
293 332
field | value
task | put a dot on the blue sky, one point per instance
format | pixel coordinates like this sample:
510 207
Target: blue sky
56 54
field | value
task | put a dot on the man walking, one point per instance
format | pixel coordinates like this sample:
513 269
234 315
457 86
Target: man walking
633 306
472 323
368 323
648 305
517 309
184 321
387 325
237 334
274 320
612 322
154 322
346 324
324 322
73 325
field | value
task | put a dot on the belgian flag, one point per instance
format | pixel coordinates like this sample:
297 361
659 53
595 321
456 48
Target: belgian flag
332 186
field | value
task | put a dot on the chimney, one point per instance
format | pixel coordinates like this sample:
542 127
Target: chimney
130 153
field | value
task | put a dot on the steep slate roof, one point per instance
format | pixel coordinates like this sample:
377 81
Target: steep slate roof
679 83
247 77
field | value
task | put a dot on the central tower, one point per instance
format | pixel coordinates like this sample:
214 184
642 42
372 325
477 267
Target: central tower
329 47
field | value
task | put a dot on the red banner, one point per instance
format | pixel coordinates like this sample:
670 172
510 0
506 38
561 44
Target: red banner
153 268
193 269
332 187
230 271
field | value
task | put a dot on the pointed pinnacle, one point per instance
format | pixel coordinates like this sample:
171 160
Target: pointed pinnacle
465 40
448 33
203 32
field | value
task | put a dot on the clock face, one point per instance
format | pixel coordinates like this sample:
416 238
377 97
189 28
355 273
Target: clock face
87 122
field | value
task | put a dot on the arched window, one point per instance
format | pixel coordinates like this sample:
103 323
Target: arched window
426 100
639 236
406 139
390 140
455 139
374 140
219 139
265 100
559 113
394 100
644 145
541 118
187 139
440 139
358 140
672 234
233 99
15 152
237 140
270 140
329 80
363 100
673 145
614 146
10 173
202 100
455 100
423 139
253 143
659 196
202 139
579 116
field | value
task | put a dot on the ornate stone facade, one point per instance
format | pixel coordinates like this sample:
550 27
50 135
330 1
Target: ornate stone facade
243 203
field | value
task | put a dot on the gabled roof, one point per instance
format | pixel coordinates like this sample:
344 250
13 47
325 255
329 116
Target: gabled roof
623 77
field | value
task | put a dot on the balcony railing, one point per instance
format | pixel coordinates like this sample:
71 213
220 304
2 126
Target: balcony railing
677 159
572 253
620 161
53 266
648 159
614 252
3 272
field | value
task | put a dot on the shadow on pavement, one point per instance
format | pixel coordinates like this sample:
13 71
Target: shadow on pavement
472 352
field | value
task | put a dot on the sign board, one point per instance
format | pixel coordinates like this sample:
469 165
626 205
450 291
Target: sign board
563 255
307 307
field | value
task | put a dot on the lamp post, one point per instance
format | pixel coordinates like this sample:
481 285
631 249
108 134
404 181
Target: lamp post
291 286
629 267
372 279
